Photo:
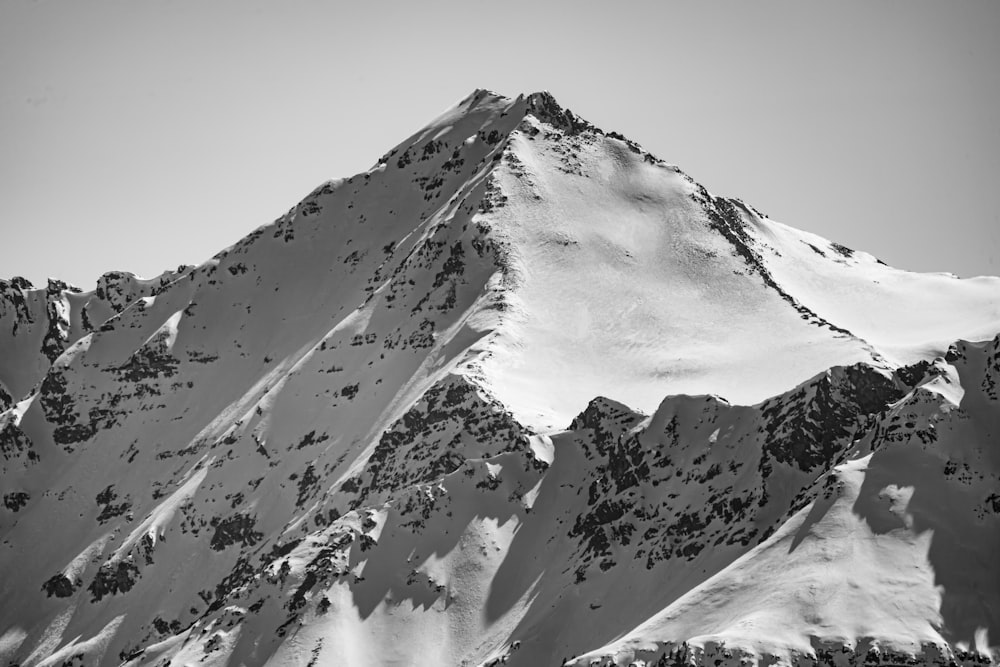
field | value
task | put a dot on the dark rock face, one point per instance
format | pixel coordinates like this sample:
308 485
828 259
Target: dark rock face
545 108
683 655
809 428
14 442
57 310
148 364
236 529
14 304
16 500
6 400
431 439
110 509
111 579
59 586
607 420
60 410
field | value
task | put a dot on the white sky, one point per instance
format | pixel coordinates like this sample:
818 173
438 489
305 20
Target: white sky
142 135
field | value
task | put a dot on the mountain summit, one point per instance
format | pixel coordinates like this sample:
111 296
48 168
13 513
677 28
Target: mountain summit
465 408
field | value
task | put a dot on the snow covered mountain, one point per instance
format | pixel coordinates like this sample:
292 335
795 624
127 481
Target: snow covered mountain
464 408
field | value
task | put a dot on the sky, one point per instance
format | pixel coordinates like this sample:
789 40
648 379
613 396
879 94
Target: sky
140 135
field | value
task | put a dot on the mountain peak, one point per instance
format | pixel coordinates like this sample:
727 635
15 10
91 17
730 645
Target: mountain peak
368 433
543 106
542 98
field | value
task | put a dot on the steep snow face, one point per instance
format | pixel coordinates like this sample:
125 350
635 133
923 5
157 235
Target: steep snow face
632 281
905 316
375 418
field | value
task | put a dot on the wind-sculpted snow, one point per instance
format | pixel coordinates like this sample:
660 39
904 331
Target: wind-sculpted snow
420 419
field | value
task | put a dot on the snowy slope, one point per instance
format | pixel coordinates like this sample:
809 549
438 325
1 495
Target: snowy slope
36 324
902 537
635 282
374 431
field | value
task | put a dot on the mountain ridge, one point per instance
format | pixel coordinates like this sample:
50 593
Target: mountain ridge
376 416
